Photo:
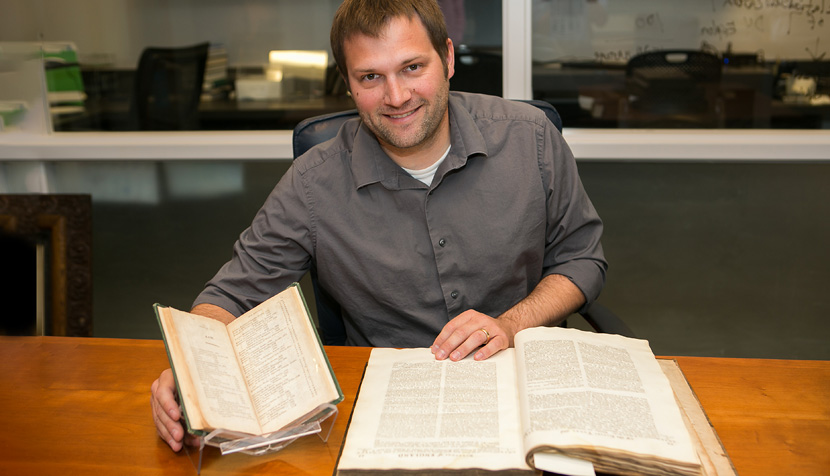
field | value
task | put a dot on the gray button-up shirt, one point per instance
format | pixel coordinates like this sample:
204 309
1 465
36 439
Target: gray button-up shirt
505 209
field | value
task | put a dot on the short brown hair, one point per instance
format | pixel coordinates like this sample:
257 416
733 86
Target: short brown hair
370 17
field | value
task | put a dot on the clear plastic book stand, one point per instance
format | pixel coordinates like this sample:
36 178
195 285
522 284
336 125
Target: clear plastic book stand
233 442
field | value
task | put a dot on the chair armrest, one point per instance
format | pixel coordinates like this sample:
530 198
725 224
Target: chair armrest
603 320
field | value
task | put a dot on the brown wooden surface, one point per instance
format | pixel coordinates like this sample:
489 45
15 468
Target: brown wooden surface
81 406
773 416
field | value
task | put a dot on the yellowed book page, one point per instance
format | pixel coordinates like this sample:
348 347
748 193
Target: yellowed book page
283 363
184 382
601 390
414 412
216 385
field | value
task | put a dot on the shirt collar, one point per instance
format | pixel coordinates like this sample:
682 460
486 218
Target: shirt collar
370 164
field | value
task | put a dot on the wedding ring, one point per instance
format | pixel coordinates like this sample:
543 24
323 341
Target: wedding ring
486 336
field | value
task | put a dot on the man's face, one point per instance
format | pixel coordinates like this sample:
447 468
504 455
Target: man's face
399 86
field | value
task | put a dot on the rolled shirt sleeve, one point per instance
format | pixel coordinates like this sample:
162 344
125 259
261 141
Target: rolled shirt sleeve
272 253
573 248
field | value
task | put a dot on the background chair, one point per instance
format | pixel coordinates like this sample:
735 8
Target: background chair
318 129
477 71
168 87
673 88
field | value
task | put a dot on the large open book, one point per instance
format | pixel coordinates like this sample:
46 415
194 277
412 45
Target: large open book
595 398
259 374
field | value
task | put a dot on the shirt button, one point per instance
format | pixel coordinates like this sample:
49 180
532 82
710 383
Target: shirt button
454 294
442 242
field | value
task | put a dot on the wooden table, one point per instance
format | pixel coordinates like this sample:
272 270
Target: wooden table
81 406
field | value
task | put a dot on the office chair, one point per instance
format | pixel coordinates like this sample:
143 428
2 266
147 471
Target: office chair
318 129
818 70
477 72
168 87
672 89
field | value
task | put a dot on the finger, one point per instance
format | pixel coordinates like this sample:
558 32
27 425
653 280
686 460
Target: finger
448 330
449 347
166 429
457 331
173 443
166 413
496 344
165 393
474 340
192 440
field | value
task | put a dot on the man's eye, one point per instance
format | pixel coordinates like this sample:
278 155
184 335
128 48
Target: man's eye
369 77
413 67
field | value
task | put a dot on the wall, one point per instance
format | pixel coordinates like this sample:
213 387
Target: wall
718 259
113 32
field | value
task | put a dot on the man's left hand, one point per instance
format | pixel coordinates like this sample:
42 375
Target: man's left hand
470 330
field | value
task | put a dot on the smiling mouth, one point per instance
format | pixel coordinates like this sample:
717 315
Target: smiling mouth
403 115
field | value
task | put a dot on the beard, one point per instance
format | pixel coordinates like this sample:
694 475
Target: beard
415 134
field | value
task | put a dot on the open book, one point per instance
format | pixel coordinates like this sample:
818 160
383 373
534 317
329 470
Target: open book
595 398
259 374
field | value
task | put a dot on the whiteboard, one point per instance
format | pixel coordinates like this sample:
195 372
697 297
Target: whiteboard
612 31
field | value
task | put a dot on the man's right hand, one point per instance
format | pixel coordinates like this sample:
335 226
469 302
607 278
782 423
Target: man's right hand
166 413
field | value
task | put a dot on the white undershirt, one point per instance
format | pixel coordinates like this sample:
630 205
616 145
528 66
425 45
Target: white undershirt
426 175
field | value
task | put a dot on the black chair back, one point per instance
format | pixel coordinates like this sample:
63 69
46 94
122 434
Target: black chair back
168 87
318 129
477 72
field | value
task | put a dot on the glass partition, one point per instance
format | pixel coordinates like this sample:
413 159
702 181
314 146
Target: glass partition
117 65
602 63
23 103
674 63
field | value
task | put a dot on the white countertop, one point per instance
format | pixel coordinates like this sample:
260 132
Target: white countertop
587 144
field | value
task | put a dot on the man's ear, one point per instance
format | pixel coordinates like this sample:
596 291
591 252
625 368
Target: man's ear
450 59
344 77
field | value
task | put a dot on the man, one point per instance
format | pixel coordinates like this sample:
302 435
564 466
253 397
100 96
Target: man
436 213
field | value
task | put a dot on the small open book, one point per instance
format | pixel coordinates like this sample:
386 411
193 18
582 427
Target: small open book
596 398
262 373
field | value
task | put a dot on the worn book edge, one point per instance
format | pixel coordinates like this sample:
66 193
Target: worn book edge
714 461
713 457
158 309
320 345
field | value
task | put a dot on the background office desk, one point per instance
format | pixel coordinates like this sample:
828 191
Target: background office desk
216 115
746 93
81 406
266 115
